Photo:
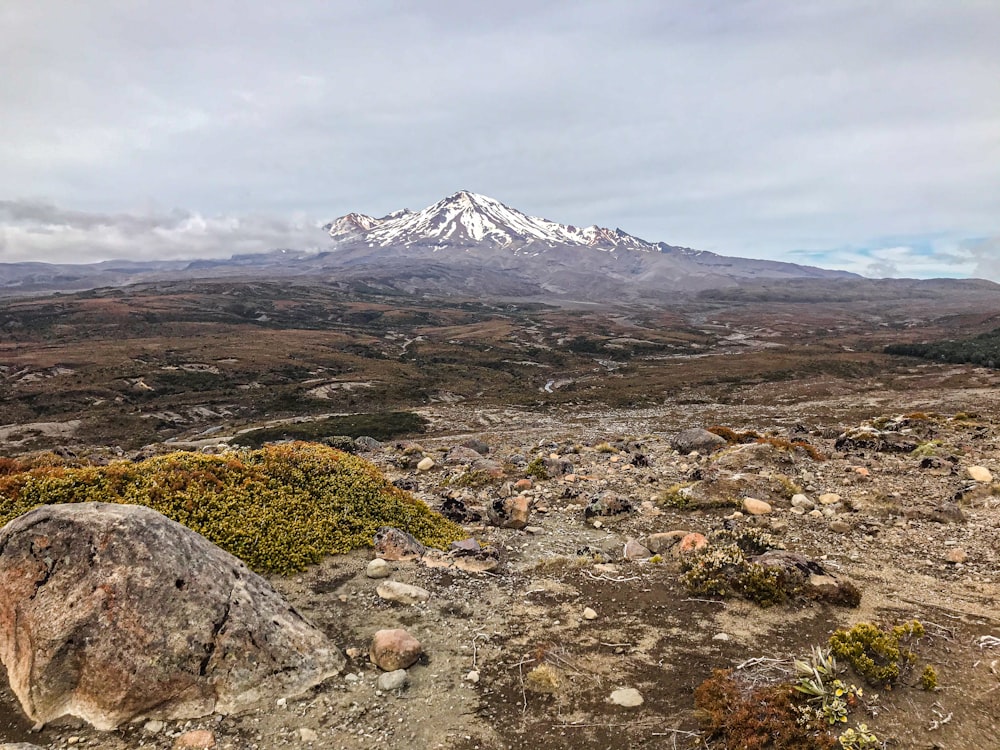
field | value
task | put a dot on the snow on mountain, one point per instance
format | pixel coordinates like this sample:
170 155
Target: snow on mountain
465 219
350 226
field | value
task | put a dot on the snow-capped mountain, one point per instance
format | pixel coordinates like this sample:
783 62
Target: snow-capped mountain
467 219
464 245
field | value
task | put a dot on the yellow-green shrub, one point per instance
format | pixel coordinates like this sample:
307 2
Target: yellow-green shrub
279 509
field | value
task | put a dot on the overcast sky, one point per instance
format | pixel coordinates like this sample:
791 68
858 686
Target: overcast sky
845 134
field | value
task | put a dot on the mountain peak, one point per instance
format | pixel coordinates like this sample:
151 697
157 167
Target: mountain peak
466 219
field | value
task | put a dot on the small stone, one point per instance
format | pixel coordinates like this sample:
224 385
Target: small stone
196 739
816 513
801 501
396 544
664 540
153 727
635 551
308 735
509 512
472 676
829 498
533 530
394 649
692 543
798 511
395 680
589 614
861 471
956 555
734 516
839 526
756 507
281 702
72 740
980 474
378 568
598 524
425 464
522 485
626 697
402 593
721 637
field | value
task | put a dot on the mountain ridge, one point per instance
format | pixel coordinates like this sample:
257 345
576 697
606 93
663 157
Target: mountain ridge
465 244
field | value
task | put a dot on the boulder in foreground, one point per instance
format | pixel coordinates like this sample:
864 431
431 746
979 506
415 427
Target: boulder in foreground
114 612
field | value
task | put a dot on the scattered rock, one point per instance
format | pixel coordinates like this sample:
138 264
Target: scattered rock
607 504
801 501
308 735
522 485
839 526
635 551
472 676
425 464
477 445
696 440
196 739
461 455
378 568
153 727
394 649
395 680
663 541
956 555
589 614
366 443
465 547
509 512
402 593
692 543
396 545
980 474
109 612
627 697
829 498
756 507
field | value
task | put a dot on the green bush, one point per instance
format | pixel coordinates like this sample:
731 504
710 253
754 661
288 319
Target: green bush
279 509
880 656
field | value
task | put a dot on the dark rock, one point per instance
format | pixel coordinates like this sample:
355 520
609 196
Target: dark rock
477 445
607 504
109 612
696 439
509 512
341 442
407 483
465 547
366 443
456 510
557 467
870 439
639 460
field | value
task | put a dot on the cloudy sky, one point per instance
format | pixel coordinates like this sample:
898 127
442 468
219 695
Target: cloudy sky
840 133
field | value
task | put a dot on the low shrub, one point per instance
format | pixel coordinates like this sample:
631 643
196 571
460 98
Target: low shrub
279 509
879 656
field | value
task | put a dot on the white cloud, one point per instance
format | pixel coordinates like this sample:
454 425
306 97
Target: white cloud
39 231
747 127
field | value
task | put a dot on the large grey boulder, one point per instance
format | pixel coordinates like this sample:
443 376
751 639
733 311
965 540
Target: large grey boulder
696 439
114 612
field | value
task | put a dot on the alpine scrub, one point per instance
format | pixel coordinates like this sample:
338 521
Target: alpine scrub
279 509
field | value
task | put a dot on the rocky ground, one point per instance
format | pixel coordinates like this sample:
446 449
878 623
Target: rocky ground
554 635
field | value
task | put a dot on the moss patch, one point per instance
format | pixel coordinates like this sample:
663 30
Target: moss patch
279 509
